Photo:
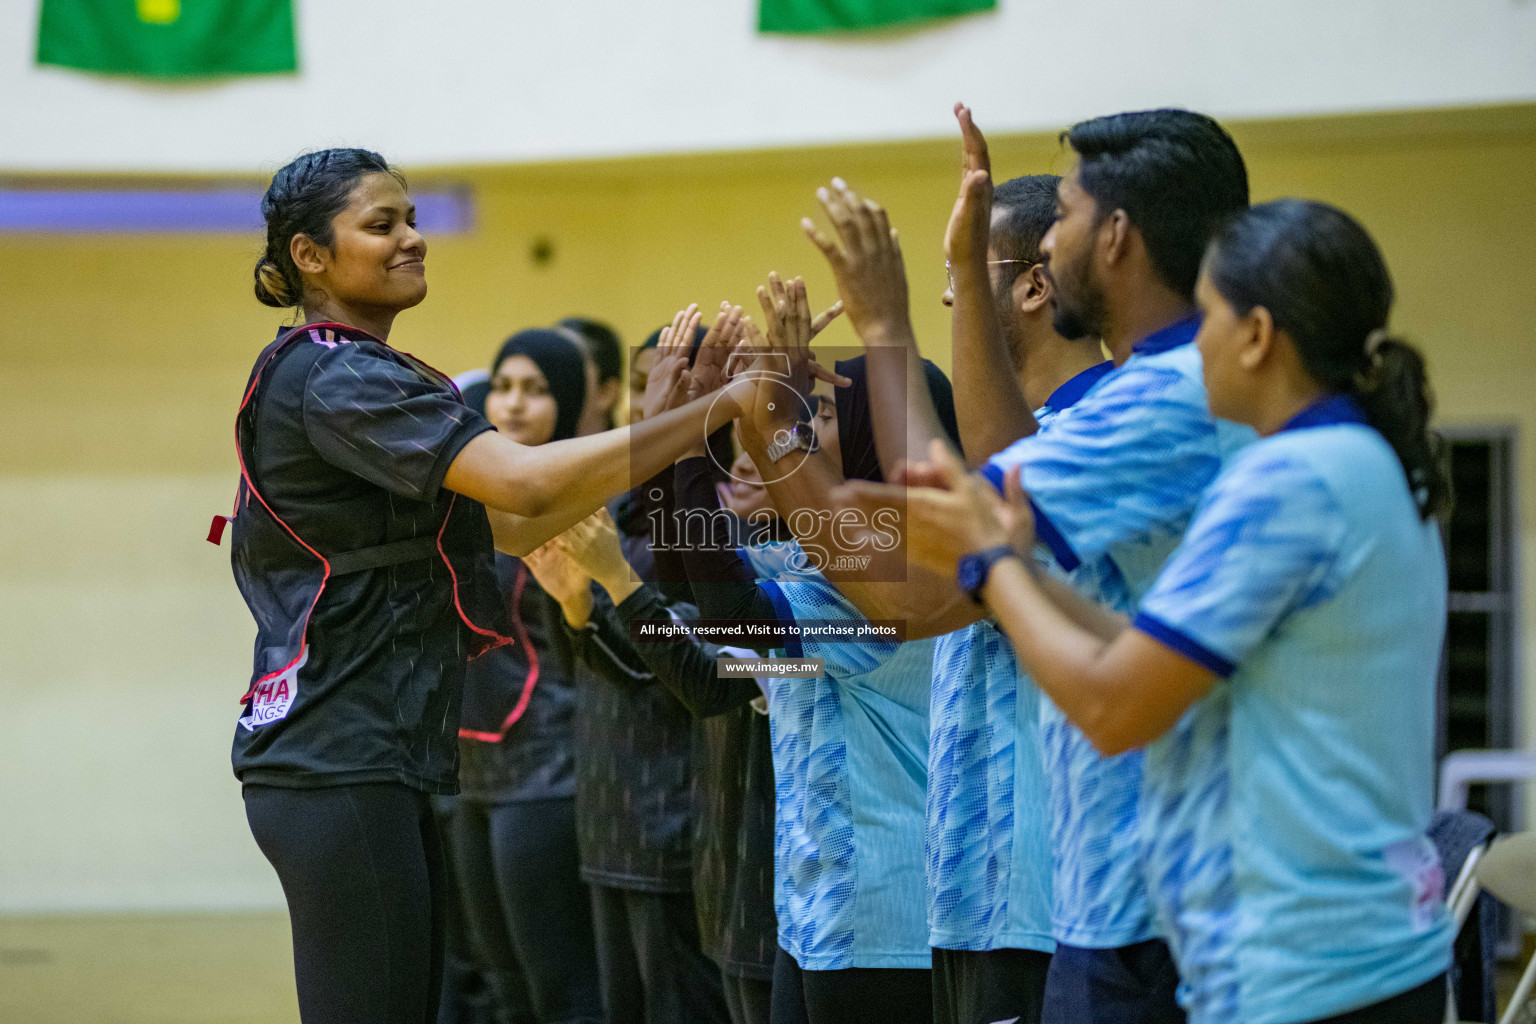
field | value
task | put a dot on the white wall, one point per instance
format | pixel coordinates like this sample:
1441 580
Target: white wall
471 81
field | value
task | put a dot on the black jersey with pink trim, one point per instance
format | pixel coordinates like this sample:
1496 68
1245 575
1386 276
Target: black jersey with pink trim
371 586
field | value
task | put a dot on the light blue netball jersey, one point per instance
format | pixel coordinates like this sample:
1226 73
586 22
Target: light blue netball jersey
988 847
850 767
1285 815
1114 483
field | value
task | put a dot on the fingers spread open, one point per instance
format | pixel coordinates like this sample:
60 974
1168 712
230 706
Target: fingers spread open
828 248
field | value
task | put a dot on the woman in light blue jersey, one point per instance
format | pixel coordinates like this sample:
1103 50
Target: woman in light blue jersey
849 745
1281 671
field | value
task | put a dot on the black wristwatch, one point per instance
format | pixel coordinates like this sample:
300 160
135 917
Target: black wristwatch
976 568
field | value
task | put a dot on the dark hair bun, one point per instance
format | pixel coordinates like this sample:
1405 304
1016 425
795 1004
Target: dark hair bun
272 287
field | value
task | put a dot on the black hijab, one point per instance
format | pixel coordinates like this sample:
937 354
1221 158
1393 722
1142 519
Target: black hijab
560 360
856 430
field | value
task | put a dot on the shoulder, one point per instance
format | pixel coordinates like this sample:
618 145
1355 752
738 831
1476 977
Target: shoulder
1337 458
1304 476
1156 390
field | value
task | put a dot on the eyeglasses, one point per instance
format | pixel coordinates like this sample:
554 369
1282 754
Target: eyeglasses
949 268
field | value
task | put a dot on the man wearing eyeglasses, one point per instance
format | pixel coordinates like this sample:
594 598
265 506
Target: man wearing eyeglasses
1043 361
989 823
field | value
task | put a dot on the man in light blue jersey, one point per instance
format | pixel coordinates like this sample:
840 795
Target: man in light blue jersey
989 851
1114 481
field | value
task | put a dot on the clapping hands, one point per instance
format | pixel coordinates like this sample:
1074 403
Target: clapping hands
948 512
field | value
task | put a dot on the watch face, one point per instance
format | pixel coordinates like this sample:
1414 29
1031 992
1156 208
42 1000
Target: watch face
969 573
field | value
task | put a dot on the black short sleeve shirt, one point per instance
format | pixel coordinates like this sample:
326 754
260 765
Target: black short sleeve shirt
350 445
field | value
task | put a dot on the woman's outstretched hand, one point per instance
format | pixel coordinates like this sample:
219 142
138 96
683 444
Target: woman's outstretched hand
866 261
563 579
708 373
667 386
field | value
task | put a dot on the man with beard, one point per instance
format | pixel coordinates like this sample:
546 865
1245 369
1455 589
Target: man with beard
1113 483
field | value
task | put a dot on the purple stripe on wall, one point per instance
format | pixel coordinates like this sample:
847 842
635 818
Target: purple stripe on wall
164 211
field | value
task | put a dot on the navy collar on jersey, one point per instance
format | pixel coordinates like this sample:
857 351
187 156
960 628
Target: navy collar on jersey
1172 336
1326 412
1067 395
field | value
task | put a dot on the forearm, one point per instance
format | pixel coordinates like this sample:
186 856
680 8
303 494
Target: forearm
685 667
603 644
989 403
901 408
568 480
887 587
723 585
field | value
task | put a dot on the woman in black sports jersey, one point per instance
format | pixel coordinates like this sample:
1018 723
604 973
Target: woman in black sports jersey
363 547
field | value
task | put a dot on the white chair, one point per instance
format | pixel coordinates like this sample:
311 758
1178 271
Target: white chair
1508 870
1464 768
1460 900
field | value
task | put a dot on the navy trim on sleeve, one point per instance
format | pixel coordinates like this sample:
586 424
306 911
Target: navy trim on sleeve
1047 533
786 614
993 473
1182 643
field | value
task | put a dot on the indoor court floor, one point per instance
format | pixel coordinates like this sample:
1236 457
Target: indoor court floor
160 969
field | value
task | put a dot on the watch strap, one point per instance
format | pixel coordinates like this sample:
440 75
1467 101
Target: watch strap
975 569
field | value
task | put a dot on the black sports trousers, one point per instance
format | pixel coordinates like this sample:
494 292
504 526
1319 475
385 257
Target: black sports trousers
855 995
362 869
1424 1004
993 986
528 909
1134 984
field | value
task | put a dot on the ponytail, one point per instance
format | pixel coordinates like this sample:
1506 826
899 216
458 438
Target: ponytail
1394 391
1325 284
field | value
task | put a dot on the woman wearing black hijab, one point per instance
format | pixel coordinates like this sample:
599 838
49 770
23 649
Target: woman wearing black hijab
514 838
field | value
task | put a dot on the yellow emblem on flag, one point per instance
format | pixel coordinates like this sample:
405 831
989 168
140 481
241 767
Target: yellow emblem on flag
159 12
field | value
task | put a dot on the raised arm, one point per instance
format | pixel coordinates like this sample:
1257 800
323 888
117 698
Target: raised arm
871 278
989 404
801 485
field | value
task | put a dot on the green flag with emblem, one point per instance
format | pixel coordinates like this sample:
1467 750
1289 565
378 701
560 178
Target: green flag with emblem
168 38
807 16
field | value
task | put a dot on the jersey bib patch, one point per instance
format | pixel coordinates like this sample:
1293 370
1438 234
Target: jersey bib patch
272 698
1416 862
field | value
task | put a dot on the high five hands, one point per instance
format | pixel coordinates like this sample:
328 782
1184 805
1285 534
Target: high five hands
867 264
673 382
791 328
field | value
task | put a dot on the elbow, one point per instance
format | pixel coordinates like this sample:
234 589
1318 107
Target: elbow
1115 731
520 498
